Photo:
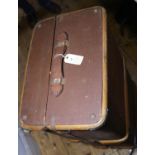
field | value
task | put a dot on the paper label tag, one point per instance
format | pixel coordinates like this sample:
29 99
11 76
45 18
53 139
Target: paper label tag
73 59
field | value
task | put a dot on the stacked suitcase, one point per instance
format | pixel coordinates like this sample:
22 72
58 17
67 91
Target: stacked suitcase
75 82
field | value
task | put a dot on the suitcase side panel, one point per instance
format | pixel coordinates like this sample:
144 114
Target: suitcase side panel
35 89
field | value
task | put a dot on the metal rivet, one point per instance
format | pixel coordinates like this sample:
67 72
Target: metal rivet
95 10
24 117
84 80
92 116
26 131
39 26
86 96
60 18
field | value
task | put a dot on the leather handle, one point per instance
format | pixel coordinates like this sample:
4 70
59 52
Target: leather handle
57 73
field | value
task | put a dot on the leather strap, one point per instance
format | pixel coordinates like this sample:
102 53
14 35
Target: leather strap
57 75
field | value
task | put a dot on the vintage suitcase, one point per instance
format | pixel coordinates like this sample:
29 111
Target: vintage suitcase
75 81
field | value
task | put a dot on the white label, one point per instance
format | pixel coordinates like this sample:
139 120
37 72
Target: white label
73 59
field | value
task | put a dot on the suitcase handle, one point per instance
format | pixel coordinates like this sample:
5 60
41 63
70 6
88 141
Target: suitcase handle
57 72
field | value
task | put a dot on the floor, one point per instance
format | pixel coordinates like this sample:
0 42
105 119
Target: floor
53 144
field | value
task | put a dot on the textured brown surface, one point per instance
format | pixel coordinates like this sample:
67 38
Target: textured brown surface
56 145
80 102
82 93
37 75
115 126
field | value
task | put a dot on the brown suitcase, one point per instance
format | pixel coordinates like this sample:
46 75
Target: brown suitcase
73 85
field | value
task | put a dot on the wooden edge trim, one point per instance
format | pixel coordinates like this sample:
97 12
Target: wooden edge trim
126 114
31 127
